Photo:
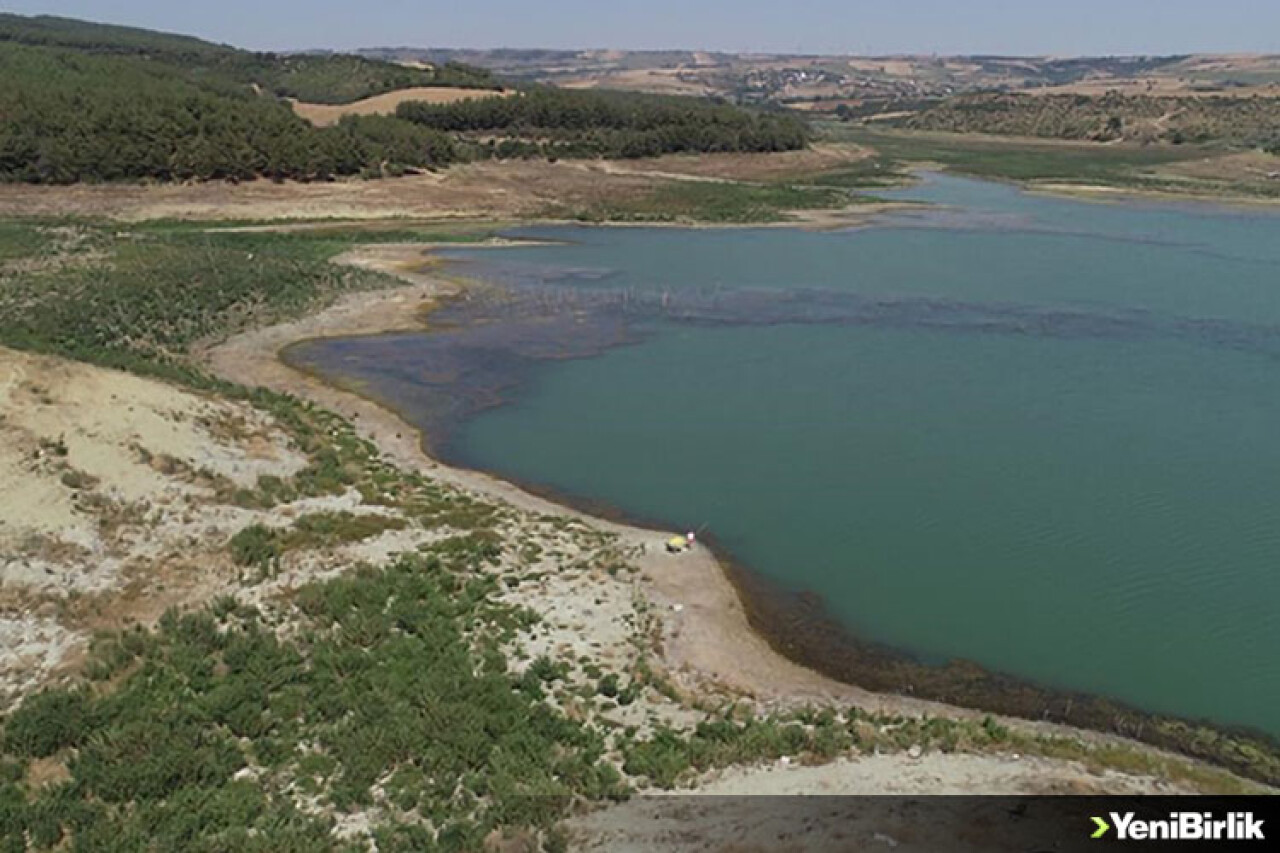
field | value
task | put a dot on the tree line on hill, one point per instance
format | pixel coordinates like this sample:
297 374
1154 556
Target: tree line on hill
319 78
578 123
1252 122
68 117
89 102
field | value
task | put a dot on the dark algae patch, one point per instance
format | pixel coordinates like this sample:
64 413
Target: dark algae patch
798 626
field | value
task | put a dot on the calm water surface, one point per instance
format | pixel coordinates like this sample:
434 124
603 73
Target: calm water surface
1035 433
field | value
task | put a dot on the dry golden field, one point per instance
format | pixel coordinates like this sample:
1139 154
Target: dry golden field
323 115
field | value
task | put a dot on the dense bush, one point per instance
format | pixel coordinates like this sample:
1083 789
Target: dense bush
392 678
255 545
48 722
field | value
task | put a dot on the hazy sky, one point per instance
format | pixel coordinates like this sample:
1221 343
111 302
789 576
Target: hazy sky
812 26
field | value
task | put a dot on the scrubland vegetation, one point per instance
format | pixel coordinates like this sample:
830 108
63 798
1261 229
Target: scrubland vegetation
712 201
1020 160
1243 122
160 292
391 686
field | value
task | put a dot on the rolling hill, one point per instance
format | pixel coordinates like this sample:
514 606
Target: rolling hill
93 102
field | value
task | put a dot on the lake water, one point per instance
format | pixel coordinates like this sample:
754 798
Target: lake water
1033 433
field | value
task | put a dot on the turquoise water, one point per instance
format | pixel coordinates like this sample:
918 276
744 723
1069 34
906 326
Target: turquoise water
1037 434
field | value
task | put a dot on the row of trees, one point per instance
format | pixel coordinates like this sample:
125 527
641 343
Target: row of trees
612 124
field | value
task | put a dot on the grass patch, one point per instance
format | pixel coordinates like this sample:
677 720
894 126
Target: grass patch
1020 160
158 289
262 546
19 240
156 295
714 201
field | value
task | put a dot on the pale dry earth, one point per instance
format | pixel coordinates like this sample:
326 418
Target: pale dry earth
324 115
106 515
515 189
656 81
785 806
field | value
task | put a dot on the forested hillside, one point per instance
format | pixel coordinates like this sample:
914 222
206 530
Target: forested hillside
89 102
326 79
67 116
1252 122
577 123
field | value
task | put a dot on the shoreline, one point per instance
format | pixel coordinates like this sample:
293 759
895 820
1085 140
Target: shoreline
715 634
1099 193
708 640
1109 193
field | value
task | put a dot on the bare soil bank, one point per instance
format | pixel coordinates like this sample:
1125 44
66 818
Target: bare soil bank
511 189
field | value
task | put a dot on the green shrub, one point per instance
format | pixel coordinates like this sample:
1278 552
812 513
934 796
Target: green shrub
48 722
256 545
608 686
663 758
